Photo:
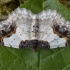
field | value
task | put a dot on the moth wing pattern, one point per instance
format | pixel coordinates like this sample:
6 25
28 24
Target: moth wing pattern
23 20
47 19
24 29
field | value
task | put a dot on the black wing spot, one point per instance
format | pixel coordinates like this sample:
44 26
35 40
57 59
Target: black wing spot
34 44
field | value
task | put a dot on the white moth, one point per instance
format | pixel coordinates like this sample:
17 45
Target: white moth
24 29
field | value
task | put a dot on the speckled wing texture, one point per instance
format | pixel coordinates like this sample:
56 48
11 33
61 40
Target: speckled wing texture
47 20
24 29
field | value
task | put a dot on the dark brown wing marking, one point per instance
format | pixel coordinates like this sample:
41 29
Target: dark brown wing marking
7 31
63 32
34 44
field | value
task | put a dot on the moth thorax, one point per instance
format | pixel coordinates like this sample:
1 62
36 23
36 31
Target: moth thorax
34 30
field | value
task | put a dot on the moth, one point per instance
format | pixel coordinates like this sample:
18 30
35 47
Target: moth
24 29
